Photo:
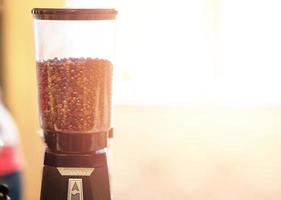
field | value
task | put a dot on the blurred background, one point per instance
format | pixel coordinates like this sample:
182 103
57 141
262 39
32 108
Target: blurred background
197 98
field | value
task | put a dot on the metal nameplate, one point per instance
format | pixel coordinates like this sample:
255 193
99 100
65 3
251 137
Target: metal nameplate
68 171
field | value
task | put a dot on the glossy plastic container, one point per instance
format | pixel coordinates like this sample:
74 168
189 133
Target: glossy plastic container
74 53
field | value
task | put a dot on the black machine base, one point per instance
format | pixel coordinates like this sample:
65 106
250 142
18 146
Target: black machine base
84 178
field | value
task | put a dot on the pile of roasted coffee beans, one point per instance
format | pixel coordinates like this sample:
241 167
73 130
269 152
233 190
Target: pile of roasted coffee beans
75 94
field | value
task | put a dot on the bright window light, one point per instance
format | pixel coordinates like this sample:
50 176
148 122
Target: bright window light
198 52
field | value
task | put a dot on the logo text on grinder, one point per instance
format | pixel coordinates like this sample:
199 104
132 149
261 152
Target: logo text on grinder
75 189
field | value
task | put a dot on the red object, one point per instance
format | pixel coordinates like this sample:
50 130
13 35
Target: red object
9 160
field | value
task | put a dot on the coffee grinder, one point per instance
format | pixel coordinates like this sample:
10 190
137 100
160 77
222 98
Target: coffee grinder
74 53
